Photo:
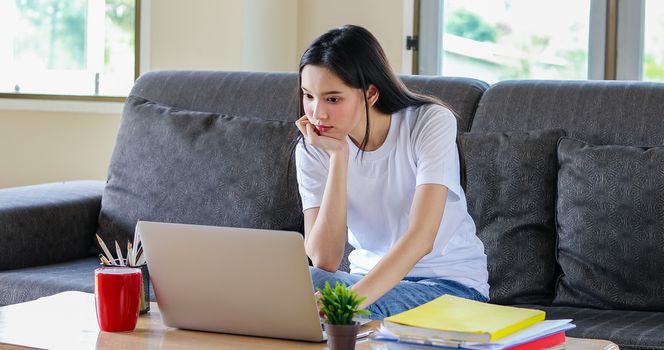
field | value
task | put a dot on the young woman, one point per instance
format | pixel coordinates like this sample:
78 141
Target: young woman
381 163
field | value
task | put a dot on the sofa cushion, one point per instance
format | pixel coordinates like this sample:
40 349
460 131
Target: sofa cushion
175 165
610 222
630 330
511 187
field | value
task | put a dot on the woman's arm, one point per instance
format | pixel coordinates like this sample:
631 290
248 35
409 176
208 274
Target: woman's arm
325 227
426 213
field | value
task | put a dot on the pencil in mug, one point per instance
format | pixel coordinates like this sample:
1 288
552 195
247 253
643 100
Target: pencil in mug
130 255
137 242
140 258
121 260
103 260
109 256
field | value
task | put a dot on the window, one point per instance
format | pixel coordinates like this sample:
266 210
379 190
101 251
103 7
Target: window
68 47
494 40
518 39
653 57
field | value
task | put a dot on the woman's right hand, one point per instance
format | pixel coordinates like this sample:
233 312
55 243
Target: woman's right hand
319 304
313 137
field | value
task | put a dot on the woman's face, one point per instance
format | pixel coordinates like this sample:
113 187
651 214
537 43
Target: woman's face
335 108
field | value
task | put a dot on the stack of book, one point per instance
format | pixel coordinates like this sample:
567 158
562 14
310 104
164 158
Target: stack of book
453 322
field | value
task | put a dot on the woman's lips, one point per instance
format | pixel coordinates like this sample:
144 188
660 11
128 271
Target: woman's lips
323 128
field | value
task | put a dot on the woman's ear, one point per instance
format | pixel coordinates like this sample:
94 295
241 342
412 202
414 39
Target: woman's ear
372 95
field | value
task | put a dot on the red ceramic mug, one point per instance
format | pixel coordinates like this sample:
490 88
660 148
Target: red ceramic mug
117 298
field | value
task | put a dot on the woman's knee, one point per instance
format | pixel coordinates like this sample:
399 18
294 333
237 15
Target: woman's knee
320 276
317 270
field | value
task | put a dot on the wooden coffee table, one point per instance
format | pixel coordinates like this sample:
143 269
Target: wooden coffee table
68 321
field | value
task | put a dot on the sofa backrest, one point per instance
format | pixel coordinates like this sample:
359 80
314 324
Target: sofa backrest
205 147
606 197
245 94
600 112
274 94
462 94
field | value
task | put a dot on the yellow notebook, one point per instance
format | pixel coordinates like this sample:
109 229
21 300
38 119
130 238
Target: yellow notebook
453 318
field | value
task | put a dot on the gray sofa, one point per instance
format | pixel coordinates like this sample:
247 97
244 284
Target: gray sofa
564 186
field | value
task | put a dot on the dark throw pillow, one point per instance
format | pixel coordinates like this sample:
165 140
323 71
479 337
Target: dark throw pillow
511 187
610 218
175 165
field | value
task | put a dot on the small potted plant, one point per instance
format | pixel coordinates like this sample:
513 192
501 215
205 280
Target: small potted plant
339 305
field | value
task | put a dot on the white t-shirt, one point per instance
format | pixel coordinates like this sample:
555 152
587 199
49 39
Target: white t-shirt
420 148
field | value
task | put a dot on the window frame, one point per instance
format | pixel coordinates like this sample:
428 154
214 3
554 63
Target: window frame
630 32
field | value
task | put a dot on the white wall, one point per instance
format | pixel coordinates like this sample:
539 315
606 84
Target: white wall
269 35
39 146
199 34
385 19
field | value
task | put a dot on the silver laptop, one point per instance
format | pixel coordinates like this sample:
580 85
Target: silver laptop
231 280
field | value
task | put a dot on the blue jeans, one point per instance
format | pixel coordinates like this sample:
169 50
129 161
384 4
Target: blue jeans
409 293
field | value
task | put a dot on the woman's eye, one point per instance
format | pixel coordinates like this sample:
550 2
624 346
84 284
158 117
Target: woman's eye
307 96
333 99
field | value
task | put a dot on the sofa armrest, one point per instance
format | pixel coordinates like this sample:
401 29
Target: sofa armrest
49 223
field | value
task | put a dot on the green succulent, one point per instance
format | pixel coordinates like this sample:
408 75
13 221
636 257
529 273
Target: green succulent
339 304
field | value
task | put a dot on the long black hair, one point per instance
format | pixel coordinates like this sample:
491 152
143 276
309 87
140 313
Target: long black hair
356 57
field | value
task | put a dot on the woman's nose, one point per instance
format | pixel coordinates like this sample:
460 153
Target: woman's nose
318 112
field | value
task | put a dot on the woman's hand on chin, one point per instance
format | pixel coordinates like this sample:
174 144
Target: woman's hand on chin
327 143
